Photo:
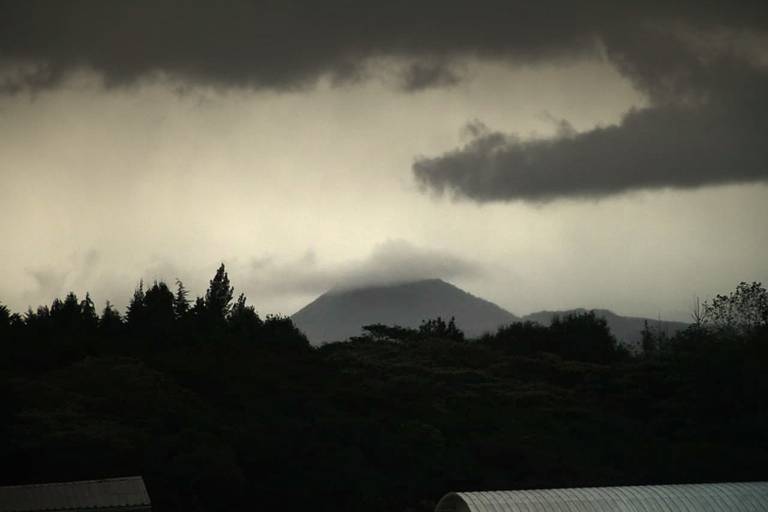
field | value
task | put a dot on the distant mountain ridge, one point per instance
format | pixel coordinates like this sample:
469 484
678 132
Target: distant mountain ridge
337 315
627 329
340 314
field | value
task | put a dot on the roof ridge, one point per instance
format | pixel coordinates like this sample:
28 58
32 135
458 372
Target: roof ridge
71 482
703 484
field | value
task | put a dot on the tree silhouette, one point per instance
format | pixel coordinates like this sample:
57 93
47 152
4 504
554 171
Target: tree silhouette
135 314
180 301
5 319
38 324
159 309
437 328
584 337
381 332
88 316
110 323
742 310
244 322
218 297
279 332
66 314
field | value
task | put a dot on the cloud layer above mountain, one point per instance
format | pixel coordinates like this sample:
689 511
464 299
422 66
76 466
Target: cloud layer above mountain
394 261
702 66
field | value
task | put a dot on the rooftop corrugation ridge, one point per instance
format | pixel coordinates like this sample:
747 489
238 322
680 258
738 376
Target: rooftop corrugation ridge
84 494
721 497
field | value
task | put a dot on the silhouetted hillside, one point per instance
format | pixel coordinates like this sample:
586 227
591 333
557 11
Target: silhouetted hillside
627 329
214 405
337 315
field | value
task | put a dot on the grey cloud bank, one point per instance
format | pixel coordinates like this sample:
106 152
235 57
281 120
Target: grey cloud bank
289 44
702 66
675 147
706 125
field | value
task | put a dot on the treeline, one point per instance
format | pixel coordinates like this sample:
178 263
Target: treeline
222 410
70 328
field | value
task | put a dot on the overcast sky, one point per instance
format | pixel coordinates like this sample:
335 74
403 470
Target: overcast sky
540 156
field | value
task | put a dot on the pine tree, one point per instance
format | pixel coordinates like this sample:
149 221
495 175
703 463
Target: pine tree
66 315
5 318
56 306
648 340
180 301
135 314
159 308
198 310
110 322
219 296
88 316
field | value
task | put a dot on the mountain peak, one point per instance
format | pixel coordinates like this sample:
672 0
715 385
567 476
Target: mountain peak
341 313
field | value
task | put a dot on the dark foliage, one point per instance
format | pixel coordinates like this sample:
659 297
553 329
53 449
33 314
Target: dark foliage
238 412
218 298
437 328
180 301
581 337
111 323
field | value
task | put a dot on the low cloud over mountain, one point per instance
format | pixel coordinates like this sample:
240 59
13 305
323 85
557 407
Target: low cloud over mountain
392 262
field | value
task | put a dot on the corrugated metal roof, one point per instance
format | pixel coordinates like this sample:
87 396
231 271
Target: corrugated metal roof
723 497
126 492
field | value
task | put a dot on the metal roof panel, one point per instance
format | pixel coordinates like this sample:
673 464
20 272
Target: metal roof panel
125 492
722 497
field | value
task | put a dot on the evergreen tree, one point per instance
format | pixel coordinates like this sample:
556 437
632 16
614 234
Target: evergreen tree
219 296
649 342
180 301
110 323
39 318
66 314
136 310
5 319
244 322
159 308
198 310
56 306
88 317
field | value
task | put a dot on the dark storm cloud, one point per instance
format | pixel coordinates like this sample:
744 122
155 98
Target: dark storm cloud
273 44
280 44
677 146
706 124
705 81
420 76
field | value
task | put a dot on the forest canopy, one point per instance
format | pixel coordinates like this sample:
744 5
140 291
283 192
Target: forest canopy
215 405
